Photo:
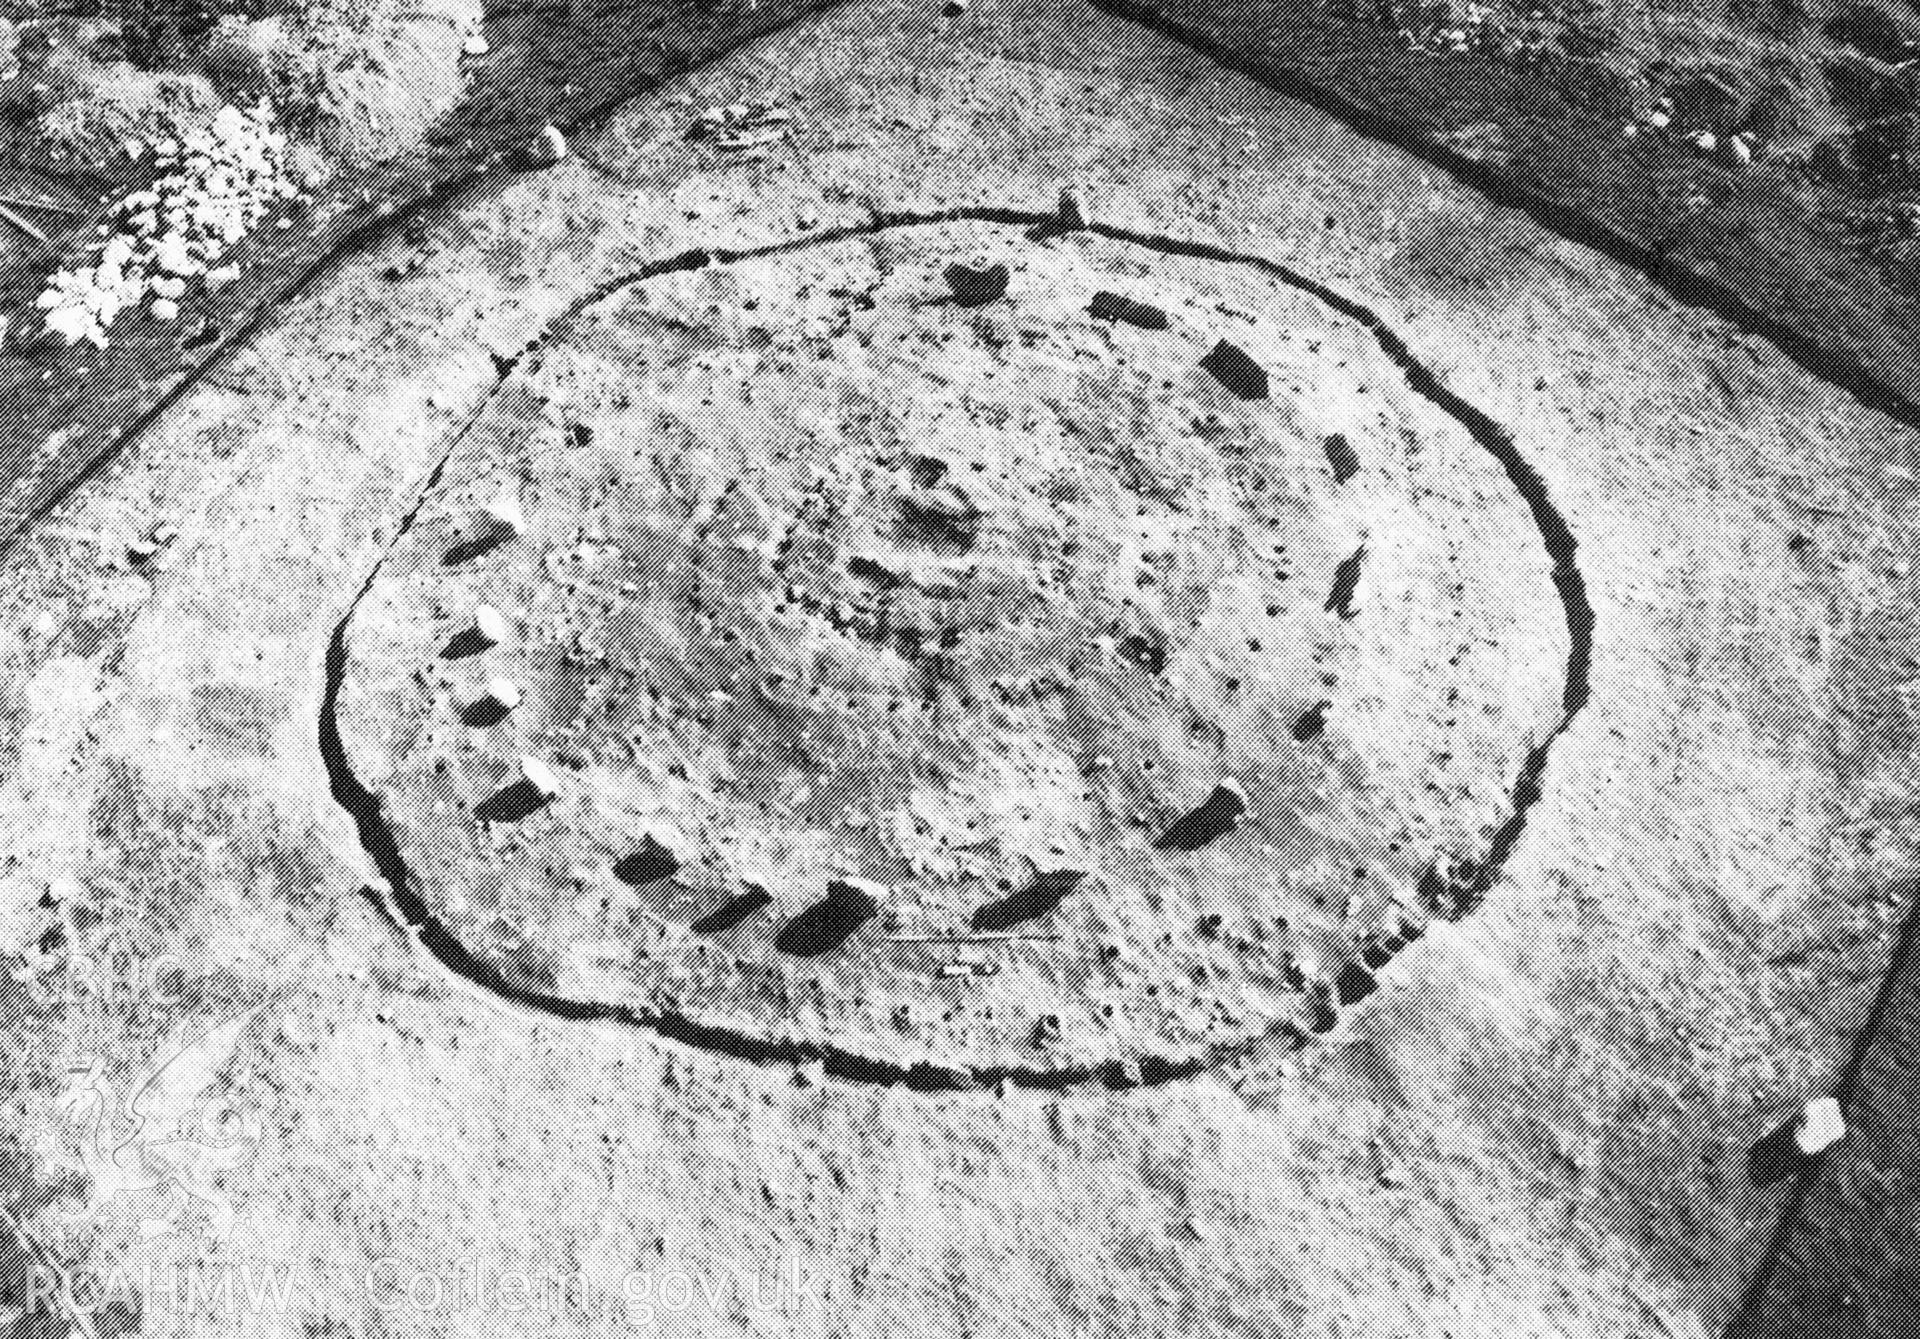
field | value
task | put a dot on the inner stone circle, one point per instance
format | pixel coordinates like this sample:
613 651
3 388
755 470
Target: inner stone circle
990 685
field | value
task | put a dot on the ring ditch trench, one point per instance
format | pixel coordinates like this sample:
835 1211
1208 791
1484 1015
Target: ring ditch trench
836 924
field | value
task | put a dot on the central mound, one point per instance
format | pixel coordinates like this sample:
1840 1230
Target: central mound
1104 671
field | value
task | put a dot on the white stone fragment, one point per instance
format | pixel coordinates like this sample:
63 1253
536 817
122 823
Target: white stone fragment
554 144
165 309
501 692
475 45
1820 1126
491 624
540 776
503 513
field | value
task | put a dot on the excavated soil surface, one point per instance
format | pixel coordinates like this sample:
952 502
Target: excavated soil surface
906 665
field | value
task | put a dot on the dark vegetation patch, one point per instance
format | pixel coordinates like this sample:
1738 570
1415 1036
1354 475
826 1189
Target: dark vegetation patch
567 65
1772 176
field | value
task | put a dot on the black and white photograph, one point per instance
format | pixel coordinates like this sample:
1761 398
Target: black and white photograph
959 669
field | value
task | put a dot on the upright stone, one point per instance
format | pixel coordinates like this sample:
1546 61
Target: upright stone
1114 307
830 922
976 286
1235 368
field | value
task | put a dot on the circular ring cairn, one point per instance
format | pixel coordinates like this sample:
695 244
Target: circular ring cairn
1104 673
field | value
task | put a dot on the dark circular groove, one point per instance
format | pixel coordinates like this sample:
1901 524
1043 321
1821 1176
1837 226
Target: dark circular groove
402 904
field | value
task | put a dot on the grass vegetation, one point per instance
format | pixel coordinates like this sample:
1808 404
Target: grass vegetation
1761 157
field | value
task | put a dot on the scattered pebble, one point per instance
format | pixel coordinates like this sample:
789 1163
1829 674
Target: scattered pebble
214 185
1820 1126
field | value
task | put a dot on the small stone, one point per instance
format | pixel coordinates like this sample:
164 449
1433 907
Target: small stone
1114 307
652 862
1073 209
502 693
1820 1126
953 9
1235 368
475 45
1218 815
1342 457
164 309
1312 722
553 144
1344 599
539 776
490 624
1353 983
976 286
1039 898
830 922
503 513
